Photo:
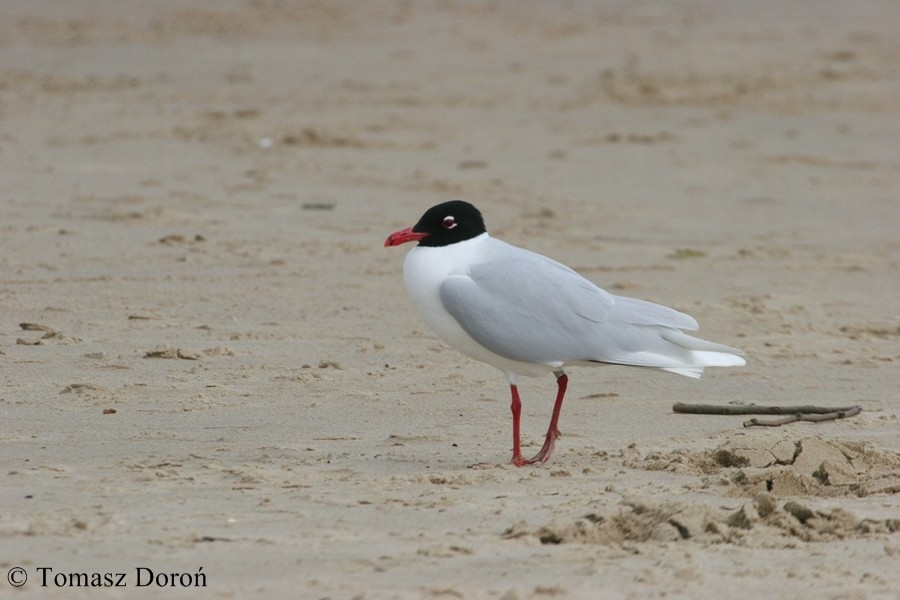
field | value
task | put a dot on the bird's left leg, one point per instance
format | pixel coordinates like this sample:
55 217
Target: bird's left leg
546 450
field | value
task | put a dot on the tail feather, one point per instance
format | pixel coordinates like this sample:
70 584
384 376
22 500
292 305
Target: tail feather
672 350
702 353
688 342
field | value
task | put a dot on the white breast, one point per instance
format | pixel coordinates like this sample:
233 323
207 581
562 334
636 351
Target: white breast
425 269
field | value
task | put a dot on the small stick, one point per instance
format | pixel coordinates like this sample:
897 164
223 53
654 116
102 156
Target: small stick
813 418
813 414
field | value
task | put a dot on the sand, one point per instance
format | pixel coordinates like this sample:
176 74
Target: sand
221 369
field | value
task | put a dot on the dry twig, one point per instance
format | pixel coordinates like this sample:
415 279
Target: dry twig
814 414
813 418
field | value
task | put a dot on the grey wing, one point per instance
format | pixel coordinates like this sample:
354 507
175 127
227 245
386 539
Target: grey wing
530 309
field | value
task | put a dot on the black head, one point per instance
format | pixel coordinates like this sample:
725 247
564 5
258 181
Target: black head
450 222
442 225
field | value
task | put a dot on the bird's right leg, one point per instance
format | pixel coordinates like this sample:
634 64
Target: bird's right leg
516 406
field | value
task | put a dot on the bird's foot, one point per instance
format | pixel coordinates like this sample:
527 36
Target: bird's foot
520 461
543 454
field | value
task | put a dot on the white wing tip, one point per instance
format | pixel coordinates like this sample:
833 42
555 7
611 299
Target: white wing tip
693 372
705 359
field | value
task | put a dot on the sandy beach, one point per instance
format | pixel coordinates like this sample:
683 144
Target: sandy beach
210 367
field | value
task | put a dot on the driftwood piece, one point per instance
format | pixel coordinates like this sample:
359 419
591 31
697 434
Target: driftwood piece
813 414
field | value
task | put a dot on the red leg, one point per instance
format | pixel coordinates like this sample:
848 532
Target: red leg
516 406
546 450
553 431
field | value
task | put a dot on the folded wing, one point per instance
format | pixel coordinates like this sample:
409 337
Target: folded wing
529 308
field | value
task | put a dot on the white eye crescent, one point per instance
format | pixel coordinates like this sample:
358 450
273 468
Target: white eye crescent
449 222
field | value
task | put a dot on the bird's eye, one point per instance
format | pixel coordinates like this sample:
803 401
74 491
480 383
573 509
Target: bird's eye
448 223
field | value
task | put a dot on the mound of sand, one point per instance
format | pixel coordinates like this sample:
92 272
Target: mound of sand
784 465
762 522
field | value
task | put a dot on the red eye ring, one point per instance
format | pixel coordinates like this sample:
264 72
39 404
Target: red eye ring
448 222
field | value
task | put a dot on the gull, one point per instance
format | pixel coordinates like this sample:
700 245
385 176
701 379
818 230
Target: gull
529 315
